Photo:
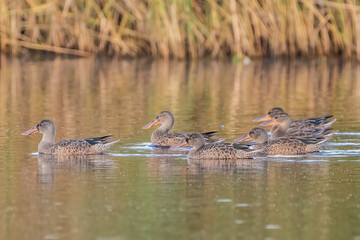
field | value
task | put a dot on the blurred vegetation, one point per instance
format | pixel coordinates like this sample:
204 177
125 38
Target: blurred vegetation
182 28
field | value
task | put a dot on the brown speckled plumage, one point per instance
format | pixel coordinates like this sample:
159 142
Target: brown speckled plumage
308 123
281 123
162 135
284 145
218 151
80 146
68 146
292 146
161 138
203 150
305 133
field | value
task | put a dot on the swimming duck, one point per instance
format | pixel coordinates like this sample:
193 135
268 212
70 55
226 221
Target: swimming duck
162 136
203 150
282 146
281 128
68 146
320 122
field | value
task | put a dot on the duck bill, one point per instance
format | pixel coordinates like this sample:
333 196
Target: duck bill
152 123
183 144
245 138
30 131
262 118
269 123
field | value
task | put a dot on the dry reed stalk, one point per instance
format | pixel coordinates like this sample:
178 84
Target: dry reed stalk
182 28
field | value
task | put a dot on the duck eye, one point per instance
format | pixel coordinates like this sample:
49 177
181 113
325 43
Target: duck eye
42 124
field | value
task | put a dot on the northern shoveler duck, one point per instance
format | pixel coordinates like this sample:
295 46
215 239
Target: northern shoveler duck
320 122
162 137
281 128
282 146
203 150
68 146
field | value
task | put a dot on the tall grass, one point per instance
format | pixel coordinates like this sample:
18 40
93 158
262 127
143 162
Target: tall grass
182 28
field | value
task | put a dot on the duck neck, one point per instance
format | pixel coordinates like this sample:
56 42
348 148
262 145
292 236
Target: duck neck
280 130
166 126
47 141
195 149
263 139
273 128
199 145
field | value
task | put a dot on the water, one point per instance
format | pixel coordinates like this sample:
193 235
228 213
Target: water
138 192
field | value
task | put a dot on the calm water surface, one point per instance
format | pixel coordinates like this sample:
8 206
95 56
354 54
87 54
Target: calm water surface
138 192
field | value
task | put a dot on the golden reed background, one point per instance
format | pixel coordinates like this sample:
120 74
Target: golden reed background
182 28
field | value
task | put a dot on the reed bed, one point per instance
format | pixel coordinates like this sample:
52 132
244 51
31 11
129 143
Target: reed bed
182 28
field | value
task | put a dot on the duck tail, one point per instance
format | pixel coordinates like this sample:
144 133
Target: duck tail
322 122
96 140
322 131
319 120
313 144
329 123
325 117
102 147
328 135
327 131
209 134
109 144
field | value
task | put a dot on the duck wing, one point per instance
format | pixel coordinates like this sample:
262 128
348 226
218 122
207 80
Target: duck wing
93 141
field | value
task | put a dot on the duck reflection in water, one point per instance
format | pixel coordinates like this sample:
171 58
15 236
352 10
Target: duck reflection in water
228 164
51 165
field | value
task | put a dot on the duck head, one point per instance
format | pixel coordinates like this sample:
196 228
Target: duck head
195 140
256 134
46 127
164 118
281 119
271 114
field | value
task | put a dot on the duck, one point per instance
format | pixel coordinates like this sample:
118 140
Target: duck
284 145
162 137
75 146
202 150
320 122
281 128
